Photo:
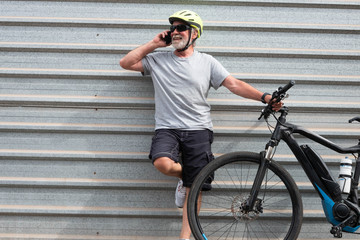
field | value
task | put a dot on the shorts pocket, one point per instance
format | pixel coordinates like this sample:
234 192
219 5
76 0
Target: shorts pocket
210 156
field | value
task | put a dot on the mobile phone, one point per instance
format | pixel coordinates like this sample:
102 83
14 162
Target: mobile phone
167 38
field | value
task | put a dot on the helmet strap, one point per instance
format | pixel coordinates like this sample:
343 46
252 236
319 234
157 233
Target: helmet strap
188 44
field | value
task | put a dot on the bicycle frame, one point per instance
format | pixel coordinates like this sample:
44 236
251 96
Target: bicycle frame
317 172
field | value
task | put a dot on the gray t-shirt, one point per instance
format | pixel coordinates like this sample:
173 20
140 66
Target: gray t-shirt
181 88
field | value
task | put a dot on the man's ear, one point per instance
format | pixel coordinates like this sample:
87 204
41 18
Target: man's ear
194 33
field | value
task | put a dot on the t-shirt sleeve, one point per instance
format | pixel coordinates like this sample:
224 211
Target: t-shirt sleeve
218 73
146 62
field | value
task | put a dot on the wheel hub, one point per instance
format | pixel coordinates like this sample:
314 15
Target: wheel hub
240 211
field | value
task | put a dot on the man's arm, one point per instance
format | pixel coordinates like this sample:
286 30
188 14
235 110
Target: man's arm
132 60
245 90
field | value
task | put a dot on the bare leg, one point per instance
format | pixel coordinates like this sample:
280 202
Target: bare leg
168 167
185 229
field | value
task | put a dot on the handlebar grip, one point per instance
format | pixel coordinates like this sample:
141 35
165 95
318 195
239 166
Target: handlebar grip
286 87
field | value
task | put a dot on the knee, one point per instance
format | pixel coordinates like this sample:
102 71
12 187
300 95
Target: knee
168 167
163 164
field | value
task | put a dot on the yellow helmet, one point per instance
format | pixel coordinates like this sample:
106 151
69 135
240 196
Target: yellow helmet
189 17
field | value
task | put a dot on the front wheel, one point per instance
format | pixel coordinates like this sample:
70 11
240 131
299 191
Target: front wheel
221 213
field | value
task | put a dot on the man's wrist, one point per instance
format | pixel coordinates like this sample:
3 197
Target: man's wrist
263 97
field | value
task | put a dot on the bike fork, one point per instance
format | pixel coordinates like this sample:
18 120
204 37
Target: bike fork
264 163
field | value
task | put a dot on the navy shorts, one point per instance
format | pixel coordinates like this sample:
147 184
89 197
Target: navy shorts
190 148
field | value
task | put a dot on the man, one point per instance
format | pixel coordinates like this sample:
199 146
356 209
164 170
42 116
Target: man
182 80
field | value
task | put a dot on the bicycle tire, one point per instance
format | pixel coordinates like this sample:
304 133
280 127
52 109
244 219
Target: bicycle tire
220 216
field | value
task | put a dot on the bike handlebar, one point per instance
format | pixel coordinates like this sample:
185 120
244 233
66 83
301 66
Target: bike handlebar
277 96
284 89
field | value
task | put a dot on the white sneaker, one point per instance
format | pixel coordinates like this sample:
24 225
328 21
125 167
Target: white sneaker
180 194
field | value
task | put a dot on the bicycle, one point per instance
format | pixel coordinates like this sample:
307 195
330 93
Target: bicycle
254 197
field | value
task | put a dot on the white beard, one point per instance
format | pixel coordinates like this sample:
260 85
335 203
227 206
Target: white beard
179 44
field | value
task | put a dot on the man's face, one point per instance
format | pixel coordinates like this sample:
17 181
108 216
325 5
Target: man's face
179 39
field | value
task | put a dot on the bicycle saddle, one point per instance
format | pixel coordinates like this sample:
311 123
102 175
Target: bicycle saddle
354 119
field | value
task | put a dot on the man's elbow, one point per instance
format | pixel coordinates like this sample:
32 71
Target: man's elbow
123 64
128 65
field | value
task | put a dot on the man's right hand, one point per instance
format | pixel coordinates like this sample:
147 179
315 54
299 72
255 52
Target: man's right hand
132 60
159 39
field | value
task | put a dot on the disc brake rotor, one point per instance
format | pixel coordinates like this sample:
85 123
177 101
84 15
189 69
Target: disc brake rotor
239 211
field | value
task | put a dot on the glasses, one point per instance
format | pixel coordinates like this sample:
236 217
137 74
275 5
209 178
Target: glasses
179 28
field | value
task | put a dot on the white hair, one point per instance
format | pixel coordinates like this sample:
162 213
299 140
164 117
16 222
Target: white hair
192 32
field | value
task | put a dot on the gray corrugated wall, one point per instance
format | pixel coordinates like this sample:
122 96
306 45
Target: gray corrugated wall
75 128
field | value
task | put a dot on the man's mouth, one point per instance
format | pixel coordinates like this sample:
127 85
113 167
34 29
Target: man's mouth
177 38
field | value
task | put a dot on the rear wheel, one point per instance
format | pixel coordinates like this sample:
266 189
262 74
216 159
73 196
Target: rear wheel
277 213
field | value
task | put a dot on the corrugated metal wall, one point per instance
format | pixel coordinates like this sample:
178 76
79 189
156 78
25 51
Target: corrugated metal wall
75 128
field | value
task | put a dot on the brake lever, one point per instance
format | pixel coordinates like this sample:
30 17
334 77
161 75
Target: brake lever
266 112
261 115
